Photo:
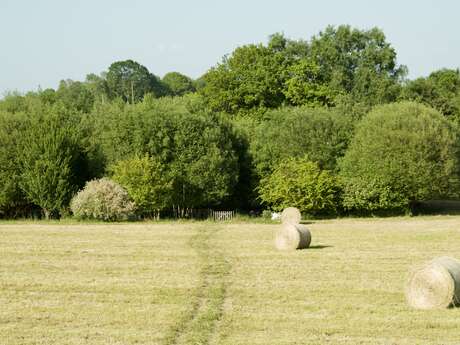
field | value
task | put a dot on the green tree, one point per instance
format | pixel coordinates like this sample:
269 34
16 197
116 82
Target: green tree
48 96
146 181
339 61
300 183
75 95
178 84
440 90
98 87
11 196
251 78
131 81
196 147
358 62
205 166
306 87
401 153
13 102
52 161
322 134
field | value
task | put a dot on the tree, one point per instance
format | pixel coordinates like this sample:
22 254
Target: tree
305 86
196 148
401 153
146 181
11 196
98 87
251 78
204 168
52 161
339 61
358 62
75 95
300 183
321 134
440 90
13 102
131 81
178 84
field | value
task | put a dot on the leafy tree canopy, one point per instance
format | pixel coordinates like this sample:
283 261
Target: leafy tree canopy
339 61
178 84
300 183
75 95
131 81
440 90
322 134
251 78
52 159
401 153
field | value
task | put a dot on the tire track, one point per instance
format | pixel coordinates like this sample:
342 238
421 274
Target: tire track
198 326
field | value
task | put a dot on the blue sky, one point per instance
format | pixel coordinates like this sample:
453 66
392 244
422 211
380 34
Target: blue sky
49 40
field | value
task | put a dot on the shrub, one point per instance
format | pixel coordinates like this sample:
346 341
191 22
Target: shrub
102 199
300 183
401 153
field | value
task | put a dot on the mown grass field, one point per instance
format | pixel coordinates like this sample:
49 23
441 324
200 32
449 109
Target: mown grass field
220 283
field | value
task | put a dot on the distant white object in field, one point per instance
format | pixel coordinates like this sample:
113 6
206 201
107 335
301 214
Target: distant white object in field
276 215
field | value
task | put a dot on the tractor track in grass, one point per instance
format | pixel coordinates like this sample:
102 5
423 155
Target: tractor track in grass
198 326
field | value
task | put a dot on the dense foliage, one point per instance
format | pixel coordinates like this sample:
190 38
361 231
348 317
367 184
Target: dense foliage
46 159
440 90
301 183
338 61
322 134
271 125
194 150
131 81
178 84
11 195
401 153
146 181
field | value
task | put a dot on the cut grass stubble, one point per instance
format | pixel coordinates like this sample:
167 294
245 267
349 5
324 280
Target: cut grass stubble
208 283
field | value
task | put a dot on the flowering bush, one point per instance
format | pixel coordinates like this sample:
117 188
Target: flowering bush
102 199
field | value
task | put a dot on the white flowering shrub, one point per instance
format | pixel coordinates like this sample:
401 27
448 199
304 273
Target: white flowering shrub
102 199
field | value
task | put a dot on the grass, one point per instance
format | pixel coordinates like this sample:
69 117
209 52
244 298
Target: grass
211 283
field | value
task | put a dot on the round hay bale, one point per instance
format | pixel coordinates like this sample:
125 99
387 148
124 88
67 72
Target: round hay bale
291 215
292 237
435 284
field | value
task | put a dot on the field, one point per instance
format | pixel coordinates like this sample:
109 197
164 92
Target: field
220 283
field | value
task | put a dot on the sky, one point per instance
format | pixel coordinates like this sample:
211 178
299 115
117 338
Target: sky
45 41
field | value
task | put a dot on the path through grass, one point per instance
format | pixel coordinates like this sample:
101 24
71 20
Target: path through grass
200 324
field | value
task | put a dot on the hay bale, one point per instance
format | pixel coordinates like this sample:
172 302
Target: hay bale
291 215
435 284
292 236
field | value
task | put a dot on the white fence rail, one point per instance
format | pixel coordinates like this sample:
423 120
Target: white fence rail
221 215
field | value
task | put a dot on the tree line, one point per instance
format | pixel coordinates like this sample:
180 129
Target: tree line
330 125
